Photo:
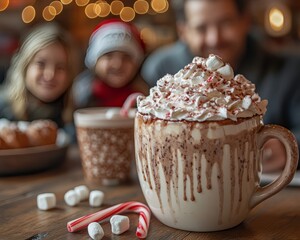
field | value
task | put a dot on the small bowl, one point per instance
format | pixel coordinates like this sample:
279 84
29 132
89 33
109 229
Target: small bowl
34 159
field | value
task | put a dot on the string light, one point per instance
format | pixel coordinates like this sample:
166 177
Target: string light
165 9
127 14
81 3
49 13
158 5
105 9
278 20
3 4
116 6
92 10
58 6
100 8
141 6
28 14
66 2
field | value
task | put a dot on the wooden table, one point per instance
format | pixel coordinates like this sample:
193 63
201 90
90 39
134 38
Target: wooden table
276 218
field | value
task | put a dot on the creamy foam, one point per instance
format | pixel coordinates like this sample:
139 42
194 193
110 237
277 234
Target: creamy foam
103 117
205 89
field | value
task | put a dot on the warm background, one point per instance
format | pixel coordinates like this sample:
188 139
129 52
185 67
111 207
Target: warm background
276 22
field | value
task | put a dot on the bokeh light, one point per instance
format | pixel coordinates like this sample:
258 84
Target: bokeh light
66 2
158 5
82 3
58 6
116 6
141 6
165 9
92 10
149 36
127 14
49 13
28 14
278 20
105 8
3 4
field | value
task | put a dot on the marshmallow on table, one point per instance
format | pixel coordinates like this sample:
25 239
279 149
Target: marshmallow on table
82 191
96 198
46 201
119 224
71 198
95 231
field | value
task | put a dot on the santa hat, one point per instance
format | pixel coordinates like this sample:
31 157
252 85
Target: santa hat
114 35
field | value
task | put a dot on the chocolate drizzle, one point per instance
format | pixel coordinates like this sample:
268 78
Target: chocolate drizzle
160 147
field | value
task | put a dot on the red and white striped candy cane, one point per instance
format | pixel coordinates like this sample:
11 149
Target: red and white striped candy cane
129 103
137 207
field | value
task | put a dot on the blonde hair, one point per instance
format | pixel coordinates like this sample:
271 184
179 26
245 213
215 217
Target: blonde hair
39 38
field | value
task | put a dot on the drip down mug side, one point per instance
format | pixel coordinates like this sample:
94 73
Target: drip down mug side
205 176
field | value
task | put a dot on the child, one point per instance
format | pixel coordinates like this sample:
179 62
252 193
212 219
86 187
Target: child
113 59
39 79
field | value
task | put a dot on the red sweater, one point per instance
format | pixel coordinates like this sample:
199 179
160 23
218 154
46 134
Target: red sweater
107 96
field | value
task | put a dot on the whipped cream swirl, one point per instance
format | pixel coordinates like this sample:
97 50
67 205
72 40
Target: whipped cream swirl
204 90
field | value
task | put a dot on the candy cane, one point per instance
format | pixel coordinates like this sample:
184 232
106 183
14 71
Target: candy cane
137 207
129 102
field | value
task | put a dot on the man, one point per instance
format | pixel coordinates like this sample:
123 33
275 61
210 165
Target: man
222 27
204 27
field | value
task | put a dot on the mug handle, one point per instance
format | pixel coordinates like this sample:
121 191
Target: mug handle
289 141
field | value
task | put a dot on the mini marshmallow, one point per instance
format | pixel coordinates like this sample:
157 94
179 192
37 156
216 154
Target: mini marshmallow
96 198
95 231
46 201
119 224
213 62
226 71
246 102
112 113
82 191
71 198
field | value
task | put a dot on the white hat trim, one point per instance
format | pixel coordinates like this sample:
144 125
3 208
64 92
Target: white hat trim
112 37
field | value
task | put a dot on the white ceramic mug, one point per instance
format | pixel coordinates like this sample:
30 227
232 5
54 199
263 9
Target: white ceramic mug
205 176
105 141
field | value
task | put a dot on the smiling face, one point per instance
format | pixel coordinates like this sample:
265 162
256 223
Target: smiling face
215 27
47 73
116 69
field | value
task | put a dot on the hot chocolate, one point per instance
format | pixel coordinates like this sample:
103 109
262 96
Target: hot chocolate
198 138
105 141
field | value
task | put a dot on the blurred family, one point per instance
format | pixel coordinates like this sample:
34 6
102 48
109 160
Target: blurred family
113 60
222 27
39 80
